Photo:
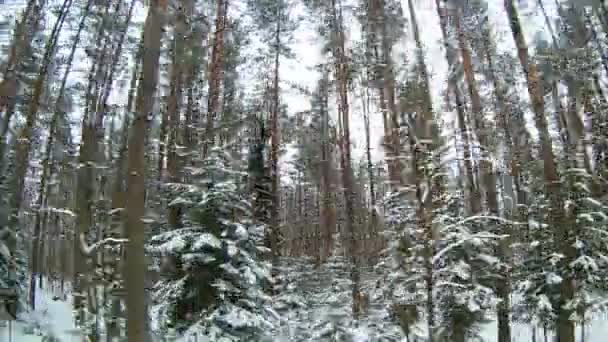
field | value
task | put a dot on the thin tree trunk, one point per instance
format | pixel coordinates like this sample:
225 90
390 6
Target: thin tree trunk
488 178
423 130
275 144
24 142
88 159
20 50
341 68
173 110
57 111
368 148
328 211
115 59
215 75
389 94
473 192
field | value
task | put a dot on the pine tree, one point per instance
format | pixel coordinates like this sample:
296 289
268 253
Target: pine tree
215 275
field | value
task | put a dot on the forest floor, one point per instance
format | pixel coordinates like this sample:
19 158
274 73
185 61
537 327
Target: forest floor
596 330
54 317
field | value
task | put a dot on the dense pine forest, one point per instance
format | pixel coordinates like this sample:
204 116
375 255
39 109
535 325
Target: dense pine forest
304 170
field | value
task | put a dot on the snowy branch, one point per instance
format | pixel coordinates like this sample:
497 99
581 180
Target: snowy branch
451 246
482 217
89 249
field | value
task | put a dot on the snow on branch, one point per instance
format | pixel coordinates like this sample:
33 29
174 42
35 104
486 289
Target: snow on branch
482 217
451 246
89 249
60 211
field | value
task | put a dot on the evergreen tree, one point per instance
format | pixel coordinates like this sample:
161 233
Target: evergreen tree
216 276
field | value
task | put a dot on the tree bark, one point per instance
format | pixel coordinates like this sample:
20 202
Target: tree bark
423 137
215 75
119 206
474 195
328 209
24 142
174 105
488 179
275 143
135 260
341 68
20 49
389 94
565 327
57 111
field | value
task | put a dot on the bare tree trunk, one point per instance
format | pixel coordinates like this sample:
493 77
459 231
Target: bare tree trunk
423 136
374 220
57 112
135 261
92 134
473 192
488 178
20 49
376 35
341 68
516 154
177 75
275 144
368 148
118 207
328 209
215 74
565 327
24 142
389 91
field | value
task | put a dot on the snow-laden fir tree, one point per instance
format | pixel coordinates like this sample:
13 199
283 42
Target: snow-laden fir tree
212 272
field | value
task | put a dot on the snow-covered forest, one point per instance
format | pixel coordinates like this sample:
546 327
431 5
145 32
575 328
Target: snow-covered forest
304 170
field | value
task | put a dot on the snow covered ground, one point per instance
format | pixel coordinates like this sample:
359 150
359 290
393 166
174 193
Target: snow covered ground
595 331
51 318
55 317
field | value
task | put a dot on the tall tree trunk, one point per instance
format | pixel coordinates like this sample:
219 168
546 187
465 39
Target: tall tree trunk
119 205
389 94
135 260
473 192
275 143
117 55
24 142
341 68
57 112
328 209
423 130
368 149
215 74
174 105
92 135
378 44
516 153
20 50
565 327
488 179
374 220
